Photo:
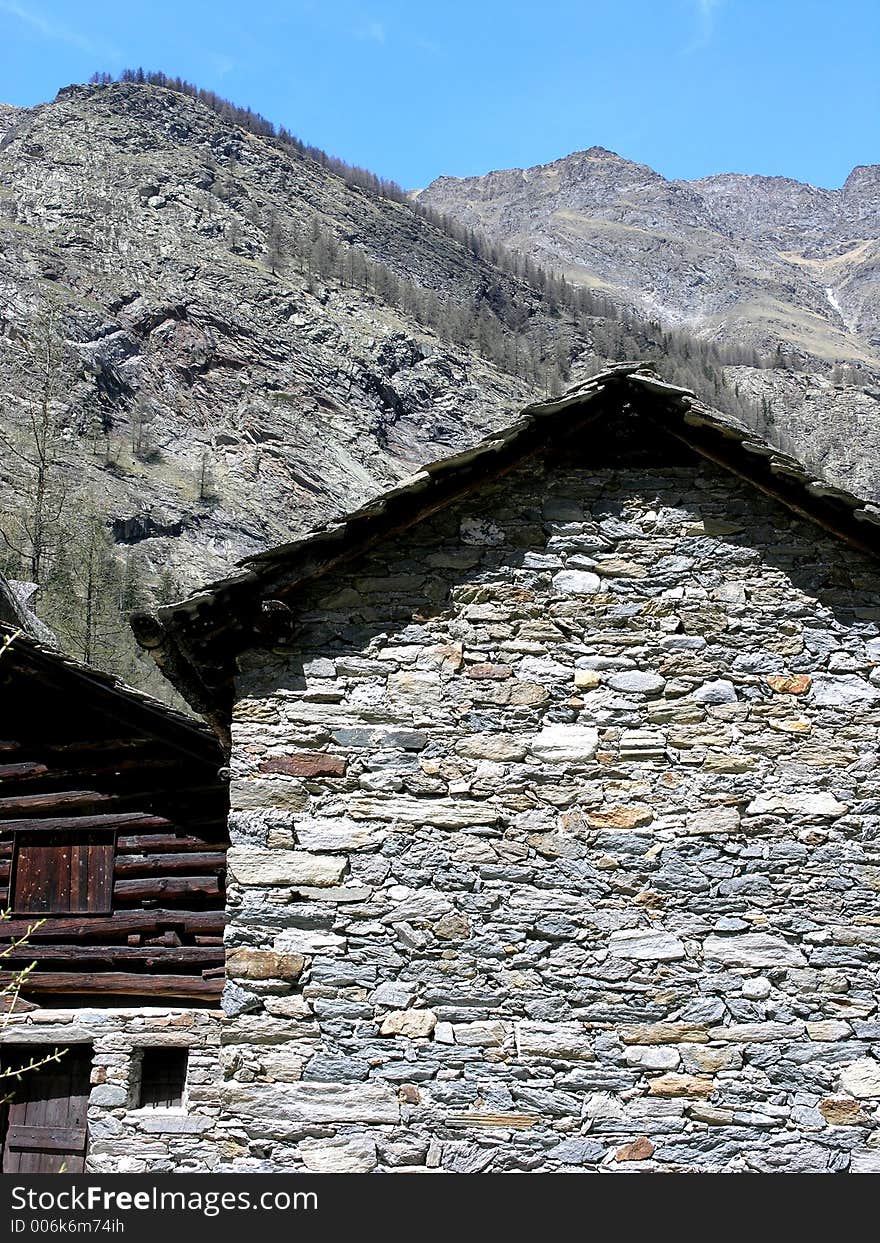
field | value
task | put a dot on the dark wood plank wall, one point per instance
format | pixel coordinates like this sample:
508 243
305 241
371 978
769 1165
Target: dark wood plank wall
144 813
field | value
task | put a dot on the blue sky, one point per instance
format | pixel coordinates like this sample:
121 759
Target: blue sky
416 89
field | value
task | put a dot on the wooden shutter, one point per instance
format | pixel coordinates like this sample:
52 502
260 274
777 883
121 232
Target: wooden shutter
63 873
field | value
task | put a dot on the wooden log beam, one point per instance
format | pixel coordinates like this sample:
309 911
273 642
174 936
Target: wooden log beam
150 865
38 773
148 844
98 746
54 801
57 800
120 983
167 887
75 824
145 843
22 772
182 955
118 926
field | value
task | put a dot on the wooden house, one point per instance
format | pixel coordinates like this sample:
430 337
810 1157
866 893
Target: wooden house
112 853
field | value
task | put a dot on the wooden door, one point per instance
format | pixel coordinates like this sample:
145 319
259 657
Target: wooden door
46 1120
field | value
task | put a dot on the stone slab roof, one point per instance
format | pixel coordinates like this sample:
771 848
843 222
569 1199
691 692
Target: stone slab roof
195 640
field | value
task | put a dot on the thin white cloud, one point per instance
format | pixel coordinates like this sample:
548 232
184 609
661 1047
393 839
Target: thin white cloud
222 65
373 32
705 11
357 22
49 29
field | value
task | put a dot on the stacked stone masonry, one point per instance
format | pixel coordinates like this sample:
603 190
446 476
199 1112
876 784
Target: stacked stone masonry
555 843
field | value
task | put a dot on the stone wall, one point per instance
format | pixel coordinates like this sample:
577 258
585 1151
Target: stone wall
124 1138
555 843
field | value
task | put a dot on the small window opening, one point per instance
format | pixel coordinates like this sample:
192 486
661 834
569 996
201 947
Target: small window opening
163 1078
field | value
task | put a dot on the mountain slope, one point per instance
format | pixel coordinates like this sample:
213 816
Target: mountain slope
757 260
148 217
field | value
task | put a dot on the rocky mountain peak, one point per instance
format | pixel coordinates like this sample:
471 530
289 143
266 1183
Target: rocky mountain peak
766 261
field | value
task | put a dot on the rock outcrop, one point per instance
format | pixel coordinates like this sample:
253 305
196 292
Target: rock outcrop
217 407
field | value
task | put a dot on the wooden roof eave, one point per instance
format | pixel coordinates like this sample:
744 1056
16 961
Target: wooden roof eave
112 697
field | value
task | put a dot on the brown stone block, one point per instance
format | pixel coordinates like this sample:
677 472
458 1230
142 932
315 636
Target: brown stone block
306 764
250 964
614 567
417 1024
632 817
496 673
672 1085
516 694
785 684
453 927
664 1033
842 1111
640 1149
508 1121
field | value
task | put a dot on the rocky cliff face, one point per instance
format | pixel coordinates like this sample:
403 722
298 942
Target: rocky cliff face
762 260
217 406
